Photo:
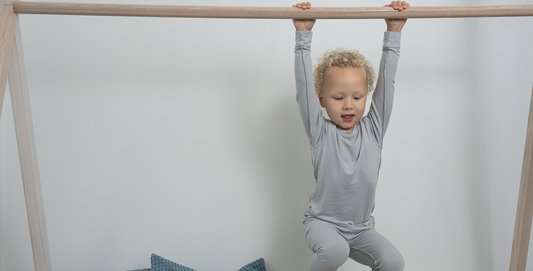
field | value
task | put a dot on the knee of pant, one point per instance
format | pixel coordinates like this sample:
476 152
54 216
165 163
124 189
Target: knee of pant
333 255
391 262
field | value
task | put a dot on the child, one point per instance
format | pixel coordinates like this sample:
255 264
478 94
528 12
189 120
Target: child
346 150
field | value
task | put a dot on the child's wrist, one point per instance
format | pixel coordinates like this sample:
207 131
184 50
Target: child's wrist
394 28
302 28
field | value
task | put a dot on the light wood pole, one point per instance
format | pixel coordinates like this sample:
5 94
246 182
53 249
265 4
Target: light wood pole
12 69
23 7
12 65
524 210
7 31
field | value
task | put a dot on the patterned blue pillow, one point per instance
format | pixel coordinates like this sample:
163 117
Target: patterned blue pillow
257 265
161 264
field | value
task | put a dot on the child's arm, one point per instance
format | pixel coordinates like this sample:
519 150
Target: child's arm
303 70
382 99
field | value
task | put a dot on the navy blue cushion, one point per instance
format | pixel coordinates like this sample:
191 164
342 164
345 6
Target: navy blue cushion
257 265
161 264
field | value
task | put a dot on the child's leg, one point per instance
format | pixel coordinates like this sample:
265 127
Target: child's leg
330 248
372 249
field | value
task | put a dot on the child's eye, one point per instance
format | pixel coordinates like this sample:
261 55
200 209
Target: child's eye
337 98
357 98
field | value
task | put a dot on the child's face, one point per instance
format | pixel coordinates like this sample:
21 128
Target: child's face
344 93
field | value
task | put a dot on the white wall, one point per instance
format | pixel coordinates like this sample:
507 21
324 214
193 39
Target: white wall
182 137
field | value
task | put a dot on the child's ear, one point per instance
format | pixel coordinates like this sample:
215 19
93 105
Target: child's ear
321 100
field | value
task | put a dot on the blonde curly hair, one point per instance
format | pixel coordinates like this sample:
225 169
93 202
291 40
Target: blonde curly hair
342 57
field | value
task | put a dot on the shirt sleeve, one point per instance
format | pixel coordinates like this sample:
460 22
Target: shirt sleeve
306 97
381 107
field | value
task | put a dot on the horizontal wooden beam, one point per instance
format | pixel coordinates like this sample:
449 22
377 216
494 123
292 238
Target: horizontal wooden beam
23 7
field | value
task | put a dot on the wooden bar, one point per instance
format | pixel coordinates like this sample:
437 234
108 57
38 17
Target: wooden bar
20 101
524 211
23 7
7 34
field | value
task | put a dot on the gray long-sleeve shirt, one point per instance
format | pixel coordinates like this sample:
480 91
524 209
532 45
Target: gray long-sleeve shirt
346 163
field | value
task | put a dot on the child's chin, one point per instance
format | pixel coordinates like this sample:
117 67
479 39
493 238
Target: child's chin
346 127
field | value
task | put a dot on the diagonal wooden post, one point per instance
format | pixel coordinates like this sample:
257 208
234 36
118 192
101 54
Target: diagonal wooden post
524 211
7 36
20 101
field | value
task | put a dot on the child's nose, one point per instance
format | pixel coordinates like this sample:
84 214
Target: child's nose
348 104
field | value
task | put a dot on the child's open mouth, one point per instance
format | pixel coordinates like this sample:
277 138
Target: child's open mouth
347 118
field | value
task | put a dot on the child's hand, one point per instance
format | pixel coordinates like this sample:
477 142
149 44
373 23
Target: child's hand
303 24
396 25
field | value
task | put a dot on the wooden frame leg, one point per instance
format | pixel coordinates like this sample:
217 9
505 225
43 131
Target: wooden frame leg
28 157
524 211
7 36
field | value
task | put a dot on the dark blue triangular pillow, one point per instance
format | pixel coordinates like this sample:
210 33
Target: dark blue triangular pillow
257 265
161 264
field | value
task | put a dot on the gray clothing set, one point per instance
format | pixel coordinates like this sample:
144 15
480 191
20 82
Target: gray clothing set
338 224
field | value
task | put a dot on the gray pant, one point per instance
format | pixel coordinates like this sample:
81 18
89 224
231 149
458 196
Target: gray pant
333 247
